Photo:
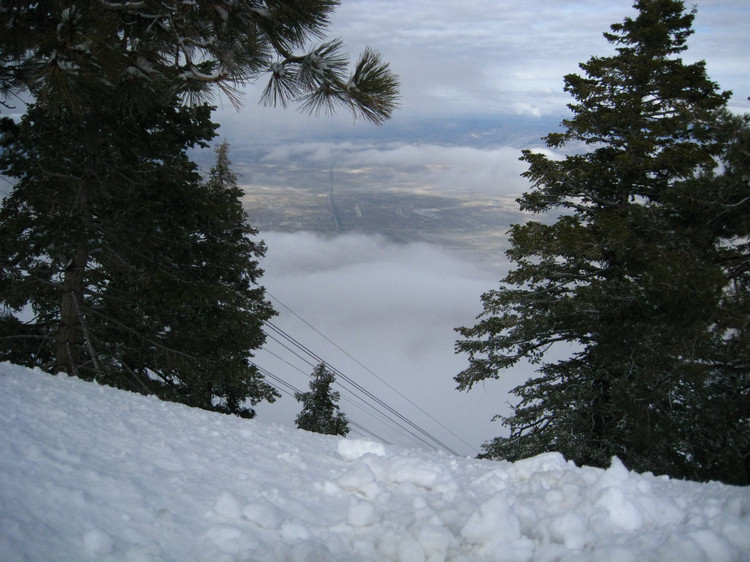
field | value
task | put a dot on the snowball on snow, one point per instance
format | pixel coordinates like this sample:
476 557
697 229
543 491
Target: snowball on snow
352 449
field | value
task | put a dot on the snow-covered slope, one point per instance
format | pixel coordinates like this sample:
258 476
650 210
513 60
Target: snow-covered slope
92 473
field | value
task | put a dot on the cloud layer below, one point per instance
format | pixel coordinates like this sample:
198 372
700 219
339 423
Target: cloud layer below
393 309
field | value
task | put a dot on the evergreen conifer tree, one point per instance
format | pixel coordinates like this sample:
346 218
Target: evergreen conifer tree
132 270
320 411
100 62
165 269
632 281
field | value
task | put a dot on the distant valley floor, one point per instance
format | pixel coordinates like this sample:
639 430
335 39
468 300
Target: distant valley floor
474 225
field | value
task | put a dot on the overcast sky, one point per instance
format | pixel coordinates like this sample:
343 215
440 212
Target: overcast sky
490 58
480 80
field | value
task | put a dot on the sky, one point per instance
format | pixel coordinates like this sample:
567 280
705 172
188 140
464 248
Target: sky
497 61
480 81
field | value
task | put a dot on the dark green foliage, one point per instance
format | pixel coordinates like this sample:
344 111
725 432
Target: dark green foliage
642 280
125 266
117 262
72 54
320 411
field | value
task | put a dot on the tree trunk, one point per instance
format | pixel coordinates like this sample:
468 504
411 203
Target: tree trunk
70 338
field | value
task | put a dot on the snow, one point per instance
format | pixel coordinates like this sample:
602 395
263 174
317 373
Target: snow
92 473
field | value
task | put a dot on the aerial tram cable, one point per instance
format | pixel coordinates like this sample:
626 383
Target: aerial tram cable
361 389
383 415
386 383
367 393
345 378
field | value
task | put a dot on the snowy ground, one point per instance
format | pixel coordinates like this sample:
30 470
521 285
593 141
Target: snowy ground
92 473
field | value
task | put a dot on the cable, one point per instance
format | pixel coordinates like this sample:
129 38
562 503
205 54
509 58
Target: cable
383 415
294 389
370 371
361 389
343 377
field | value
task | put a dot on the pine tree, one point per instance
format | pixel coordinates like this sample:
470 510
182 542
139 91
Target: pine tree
717 416
320 411
130 266
624 281
77 59
235 308
162 282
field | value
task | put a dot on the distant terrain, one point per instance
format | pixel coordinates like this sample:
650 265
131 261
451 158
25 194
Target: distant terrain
377 201
288 184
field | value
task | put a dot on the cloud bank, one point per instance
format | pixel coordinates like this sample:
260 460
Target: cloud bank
393 308
443 169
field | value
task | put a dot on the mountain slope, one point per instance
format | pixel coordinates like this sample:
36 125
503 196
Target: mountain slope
91 473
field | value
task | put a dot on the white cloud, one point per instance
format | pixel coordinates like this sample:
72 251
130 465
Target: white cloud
393 307
428 168
525 108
